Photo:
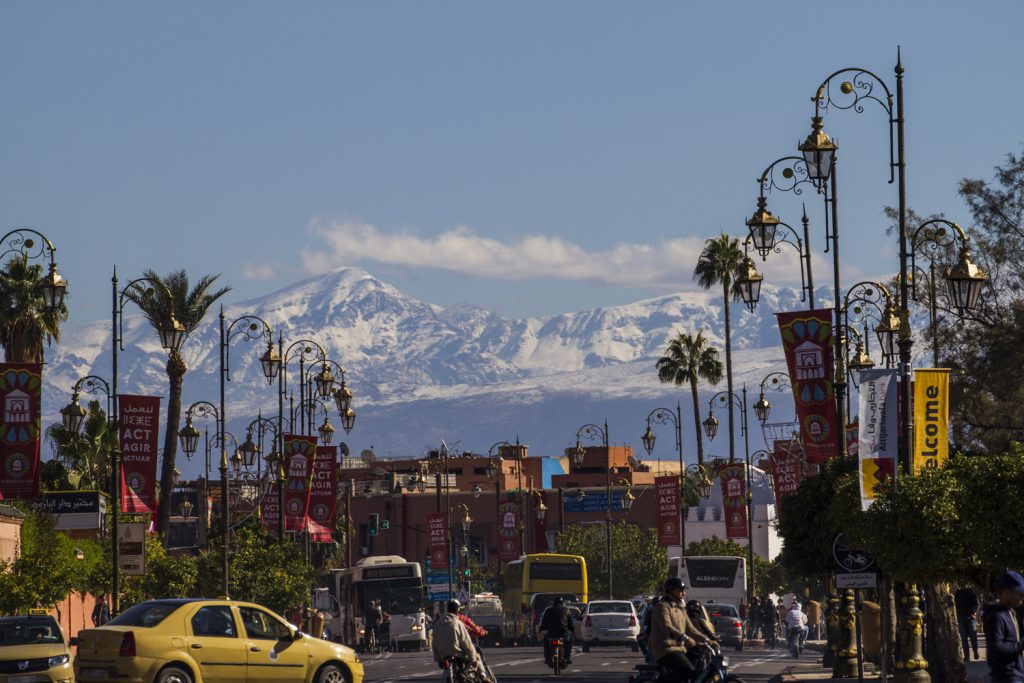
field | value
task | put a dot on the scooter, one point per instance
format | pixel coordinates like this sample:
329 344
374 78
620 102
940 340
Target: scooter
794 641
712 667
559 653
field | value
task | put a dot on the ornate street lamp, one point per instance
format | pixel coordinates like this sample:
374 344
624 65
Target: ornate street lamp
188 436
492 468
186 510
368 491
477 490
248 451
888 331
749 284
860 361
819 151
711 426
326 431
343 397
73 415
271 361
577 454
348 420
648 439
965 281
762 226
762 408
324 381
542 509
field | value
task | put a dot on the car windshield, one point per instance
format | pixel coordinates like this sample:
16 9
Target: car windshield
484 607
722 611
542 601
610 608
146 614
28 630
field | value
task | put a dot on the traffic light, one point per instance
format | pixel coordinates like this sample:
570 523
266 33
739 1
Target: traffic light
385 524
372 526
465 572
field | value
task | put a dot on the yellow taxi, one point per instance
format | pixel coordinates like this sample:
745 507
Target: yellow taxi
33 650
208 641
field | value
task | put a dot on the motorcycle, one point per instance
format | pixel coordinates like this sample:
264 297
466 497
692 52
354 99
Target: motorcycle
794 641
456 670
711 665
559 654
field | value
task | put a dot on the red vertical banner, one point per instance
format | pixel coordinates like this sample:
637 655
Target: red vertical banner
667 489
20 398
139 420
508 533
323 495
270 510
786 465
734 501
807 341
299 453
438 535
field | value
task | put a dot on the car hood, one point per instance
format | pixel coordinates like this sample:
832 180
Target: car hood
32 651
327 649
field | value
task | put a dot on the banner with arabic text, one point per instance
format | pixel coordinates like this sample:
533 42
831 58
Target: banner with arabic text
139 420
270 509
20 398
437 534
878 434
786 464
667 489
323 495
807 342
931 418
299 453
734 501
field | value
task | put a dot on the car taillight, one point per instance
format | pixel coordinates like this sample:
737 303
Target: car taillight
556 642
632 620
589 621
128 645
737 624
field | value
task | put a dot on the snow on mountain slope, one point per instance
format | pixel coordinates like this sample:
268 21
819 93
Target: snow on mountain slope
422 372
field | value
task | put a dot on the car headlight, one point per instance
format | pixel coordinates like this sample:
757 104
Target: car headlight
415 627
362 631
57 660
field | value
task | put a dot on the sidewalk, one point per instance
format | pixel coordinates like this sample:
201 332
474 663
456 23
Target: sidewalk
977 670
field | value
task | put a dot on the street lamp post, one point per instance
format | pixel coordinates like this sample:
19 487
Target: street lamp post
593 431
52 287
171 334
722 399
517 454
667 416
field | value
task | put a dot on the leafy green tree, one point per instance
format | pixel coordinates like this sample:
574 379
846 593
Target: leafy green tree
25 323
639 564
721 263
53 476
86 454
188 305
45 571
689 359
262 570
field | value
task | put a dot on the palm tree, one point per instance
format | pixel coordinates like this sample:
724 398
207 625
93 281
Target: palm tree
688 358
172 295
86 455
25 322
720 262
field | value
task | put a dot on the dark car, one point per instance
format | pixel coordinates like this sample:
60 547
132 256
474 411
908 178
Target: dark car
727 622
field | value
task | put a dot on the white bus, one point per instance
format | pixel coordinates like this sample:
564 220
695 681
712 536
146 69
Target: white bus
712 578
397 584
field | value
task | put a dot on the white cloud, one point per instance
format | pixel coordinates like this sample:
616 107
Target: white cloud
667 265
253 271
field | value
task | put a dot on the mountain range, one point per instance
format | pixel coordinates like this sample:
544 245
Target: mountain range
423 373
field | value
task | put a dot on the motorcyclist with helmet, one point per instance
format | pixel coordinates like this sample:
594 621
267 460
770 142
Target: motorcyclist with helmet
699 616
451 639
555 622
673 632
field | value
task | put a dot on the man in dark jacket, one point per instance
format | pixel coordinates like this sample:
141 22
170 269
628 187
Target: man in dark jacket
1002 632
966 601
556 622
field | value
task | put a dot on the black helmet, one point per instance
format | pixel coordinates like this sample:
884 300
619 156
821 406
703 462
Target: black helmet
693 609
454 606
559 600
674 583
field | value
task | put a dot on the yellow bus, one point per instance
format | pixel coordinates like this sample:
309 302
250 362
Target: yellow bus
531 583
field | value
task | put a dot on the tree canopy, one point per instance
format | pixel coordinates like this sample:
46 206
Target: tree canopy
639 564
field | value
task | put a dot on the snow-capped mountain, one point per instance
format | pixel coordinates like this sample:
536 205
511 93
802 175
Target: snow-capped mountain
422 373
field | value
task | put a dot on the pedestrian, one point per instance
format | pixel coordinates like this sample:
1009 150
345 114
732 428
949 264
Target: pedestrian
101 612
754 618
966 601
1002 632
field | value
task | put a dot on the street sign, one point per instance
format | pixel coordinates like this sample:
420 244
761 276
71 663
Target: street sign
850 559
856 580
131 543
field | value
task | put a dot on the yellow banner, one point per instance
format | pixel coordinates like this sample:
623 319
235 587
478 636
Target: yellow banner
931 418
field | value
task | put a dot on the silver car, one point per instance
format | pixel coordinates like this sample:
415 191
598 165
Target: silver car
609 622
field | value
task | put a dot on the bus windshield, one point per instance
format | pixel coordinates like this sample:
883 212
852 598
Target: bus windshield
396 596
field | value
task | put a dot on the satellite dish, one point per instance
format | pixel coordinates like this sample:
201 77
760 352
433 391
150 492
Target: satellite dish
367 456
633 462
343 449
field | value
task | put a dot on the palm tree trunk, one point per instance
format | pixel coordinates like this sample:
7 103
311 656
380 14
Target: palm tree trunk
176 369
728 368
696 421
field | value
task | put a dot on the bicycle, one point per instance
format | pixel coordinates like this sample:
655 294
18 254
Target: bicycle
370 645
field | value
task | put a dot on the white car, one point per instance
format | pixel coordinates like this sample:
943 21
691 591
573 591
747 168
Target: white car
609 622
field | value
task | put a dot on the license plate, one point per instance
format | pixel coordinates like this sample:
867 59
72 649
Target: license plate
20 679
91 674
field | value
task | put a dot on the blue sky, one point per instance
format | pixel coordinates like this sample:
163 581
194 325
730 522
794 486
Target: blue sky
531 157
